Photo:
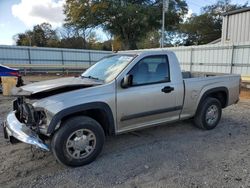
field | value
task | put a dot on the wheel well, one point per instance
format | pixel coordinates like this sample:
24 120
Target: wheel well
97 114
219 95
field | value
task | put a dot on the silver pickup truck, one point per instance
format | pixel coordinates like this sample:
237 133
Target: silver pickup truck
122 92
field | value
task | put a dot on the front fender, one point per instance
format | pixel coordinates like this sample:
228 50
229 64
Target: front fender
80 108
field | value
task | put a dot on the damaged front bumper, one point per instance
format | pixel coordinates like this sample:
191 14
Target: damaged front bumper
14 128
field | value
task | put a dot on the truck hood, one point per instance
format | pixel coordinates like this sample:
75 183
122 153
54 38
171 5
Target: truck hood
52 87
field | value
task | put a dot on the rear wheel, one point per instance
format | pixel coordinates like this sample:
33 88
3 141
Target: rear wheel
208 114
78 142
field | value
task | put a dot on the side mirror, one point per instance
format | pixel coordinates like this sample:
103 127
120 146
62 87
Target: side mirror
126 81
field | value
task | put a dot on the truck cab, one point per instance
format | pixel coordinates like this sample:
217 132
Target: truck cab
154 92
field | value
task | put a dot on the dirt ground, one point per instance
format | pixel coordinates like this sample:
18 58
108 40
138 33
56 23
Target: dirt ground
245 93
174 155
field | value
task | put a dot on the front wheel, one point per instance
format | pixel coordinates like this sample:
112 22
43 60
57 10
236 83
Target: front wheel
78 142
208 114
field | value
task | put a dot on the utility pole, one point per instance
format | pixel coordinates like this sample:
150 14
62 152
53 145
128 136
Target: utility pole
165 4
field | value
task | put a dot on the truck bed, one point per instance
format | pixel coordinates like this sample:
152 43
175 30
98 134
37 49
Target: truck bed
196 84
188 74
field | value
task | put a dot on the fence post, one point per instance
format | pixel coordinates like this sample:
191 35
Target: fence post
62 60
29 61
232 60
191 58
89 59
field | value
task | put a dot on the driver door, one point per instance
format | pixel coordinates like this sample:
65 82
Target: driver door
152 97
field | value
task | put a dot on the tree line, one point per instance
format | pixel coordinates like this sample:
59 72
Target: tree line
128 24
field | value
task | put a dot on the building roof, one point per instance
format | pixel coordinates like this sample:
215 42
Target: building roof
236 11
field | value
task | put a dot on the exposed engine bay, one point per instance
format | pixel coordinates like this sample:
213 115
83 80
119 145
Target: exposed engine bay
26 114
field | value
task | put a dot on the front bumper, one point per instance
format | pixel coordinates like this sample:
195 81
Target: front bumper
13 128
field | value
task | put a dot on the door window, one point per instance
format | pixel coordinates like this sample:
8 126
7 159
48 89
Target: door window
149 70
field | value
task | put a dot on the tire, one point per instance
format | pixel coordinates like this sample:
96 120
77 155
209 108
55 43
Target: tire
78 142
208 114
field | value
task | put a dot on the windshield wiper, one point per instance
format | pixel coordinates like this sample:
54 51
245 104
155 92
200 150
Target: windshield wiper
91 77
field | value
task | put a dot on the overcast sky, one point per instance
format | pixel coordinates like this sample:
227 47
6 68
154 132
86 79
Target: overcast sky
17 16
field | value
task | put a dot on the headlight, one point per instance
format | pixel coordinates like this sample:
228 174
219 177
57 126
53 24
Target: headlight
49 116
43 119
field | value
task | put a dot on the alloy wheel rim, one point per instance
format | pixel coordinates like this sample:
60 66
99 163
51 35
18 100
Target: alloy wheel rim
81 143
212 114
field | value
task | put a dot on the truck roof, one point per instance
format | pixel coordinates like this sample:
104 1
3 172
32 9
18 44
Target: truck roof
146 51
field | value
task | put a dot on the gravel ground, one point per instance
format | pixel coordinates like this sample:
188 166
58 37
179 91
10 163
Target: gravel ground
175 155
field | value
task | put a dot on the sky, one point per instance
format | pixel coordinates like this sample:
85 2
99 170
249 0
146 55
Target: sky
17 16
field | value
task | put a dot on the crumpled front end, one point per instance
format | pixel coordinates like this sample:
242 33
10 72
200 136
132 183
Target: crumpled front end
14 128
26 124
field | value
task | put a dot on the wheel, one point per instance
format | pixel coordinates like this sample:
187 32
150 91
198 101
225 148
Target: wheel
78 142
208 114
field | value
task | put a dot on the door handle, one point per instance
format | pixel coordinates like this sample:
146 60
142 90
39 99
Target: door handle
167 89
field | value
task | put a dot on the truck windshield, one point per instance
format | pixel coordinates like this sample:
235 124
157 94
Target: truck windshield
108 68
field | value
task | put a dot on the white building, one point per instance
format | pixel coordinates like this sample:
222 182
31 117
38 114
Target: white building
236 26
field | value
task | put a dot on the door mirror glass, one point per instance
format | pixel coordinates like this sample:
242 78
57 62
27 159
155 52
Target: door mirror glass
126 81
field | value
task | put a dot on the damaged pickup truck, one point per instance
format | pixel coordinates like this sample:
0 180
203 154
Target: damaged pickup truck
122 92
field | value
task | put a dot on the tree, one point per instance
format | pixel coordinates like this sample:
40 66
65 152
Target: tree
70 38
72 42
204 28
22 39
79 16
42 36
38 36
128 20
152 40
221 6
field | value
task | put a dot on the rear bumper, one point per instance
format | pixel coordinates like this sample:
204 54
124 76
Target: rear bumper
13 128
